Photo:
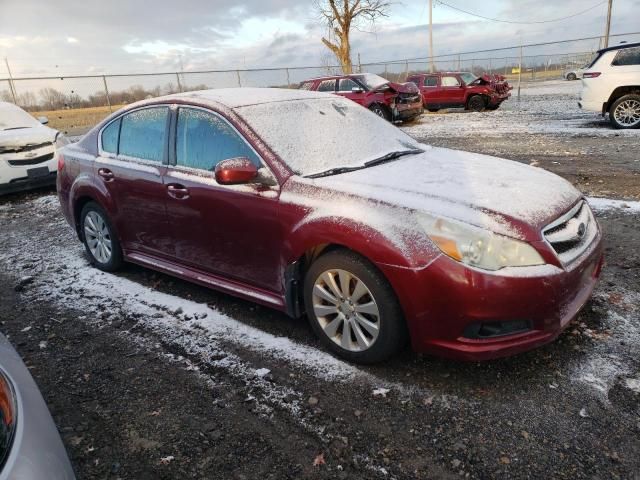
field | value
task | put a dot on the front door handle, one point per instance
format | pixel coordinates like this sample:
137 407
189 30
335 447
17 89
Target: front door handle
178 191
106 174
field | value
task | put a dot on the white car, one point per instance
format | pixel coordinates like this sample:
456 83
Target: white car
611 85
575 73
27 150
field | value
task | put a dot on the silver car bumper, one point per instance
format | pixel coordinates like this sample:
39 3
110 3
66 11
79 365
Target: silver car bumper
37 451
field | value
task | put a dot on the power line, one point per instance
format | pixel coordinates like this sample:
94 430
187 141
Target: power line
516 22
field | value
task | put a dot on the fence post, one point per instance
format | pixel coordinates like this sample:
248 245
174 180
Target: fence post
179 84
458 62
238 75
386 74
406 75
106 92
288 80
520 72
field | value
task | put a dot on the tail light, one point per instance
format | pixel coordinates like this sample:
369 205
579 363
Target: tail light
591 74
7 417
60 162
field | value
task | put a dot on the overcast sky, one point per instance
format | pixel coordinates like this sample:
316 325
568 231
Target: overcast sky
64 37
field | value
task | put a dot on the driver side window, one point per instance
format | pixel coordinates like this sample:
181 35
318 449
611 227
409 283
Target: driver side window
204 139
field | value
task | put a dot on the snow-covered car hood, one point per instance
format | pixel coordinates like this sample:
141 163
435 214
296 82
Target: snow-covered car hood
501 195
26 136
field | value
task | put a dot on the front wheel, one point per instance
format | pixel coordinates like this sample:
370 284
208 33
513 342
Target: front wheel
476 103
99 238
625 112
381 111
352 308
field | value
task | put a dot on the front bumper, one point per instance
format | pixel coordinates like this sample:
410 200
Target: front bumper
37 451
27 170
497 99
445 300
407 111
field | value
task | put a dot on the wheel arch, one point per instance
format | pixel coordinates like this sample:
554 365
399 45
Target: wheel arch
620 92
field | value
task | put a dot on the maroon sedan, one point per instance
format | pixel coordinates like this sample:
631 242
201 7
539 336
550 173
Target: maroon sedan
310 204
389 100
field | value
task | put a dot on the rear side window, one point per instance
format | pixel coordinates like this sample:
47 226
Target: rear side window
204 139
450 82
143 134
110 137
327 86
431 82
627 56
306 85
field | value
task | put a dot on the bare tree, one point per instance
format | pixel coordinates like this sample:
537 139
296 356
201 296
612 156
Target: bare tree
343 15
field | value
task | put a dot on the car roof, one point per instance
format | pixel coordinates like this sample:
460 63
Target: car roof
243 96
333 77
436 73
620 46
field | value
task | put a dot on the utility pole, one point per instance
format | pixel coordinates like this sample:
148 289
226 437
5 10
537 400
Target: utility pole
608 27
431 68
11 85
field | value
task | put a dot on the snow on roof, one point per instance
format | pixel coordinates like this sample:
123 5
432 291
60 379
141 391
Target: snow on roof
242 97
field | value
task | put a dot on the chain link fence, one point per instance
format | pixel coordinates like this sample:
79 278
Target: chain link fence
74 103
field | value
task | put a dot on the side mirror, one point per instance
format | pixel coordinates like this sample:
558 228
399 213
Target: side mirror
235 171
43 120
357 90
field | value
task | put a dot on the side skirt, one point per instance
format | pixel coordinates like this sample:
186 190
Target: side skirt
215 282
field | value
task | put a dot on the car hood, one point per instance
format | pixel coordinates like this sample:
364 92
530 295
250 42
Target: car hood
408 87
21 137
503 196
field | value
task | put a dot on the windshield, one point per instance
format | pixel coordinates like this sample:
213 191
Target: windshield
370 80
315 135
468 77
14 117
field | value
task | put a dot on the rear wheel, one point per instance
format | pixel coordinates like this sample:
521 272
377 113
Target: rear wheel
352 308
572 76
381 111
99 238
625 112
476 103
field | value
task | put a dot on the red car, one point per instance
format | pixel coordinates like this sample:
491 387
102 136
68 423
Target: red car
307 203
391 101
461 90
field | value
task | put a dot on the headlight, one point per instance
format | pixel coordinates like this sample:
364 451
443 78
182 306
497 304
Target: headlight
478 247
7 417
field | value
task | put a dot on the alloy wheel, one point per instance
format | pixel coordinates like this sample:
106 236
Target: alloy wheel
627 113
346 310
98 237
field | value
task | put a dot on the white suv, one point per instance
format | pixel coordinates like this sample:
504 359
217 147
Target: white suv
27 150
611 85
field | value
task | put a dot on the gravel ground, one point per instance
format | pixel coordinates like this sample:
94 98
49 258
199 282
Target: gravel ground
151 377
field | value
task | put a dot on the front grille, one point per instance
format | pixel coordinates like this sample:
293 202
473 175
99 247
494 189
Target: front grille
31 161
24 148
408 97
571 234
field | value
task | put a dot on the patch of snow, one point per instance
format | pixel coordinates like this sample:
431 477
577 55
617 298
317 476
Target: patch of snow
604 204
633 384
262 372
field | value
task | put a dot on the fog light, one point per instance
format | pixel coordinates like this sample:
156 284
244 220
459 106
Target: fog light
483 330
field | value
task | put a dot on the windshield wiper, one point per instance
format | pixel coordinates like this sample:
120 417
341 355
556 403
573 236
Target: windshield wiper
392 156
334 171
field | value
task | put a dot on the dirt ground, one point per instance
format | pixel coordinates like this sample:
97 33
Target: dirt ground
149 377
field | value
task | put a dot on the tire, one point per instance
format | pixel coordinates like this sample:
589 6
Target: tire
625 112
381 111
366 343
571 77
476 103
433 110
98 236
493 107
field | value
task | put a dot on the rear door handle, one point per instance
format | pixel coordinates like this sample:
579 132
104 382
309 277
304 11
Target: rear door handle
178 191
106 174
